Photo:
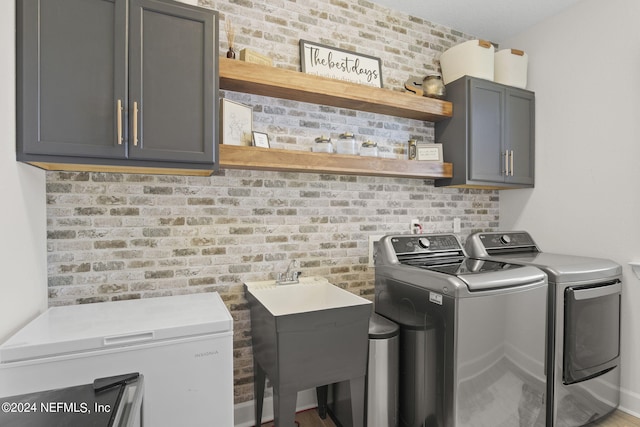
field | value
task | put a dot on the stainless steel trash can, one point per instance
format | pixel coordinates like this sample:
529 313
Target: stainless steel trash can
382 379
382 372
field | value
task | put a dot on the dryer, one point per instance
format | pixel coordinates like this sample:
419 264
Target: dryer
583 326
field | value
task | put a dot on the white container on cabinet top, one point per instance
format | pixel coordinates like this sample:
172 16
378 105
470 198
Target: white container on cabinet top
510 67
473 58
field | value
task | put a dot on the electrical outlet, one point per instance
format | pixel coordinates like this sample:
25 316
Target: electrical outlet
372 241
456 225
415 227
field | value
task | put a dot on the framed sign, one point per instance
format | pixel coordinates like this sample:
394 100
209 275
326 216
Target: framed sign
429 152
340 64
237 121
260 139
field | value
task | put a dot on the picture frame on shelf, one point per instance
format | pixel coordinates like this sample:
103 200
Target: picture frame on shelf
429 152
236 123
332 62
260 139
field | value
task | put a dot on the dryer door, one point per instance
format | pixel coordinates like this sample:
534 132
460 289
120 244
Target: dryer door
592 330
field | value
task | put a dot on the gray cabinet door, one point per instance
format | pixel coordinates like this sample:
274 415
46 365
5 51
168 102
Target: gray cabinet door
172 84
71 70
486 137
520 135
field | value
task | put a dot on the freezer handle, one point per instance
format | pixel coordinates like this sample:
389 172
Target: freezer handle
128 339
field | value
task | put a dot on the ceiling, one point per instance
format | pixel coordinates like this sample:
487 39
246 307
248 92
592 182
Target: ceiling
494 20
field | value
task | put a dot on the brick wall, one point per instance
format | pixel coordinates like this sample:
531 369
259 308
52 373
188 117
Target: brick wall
119 236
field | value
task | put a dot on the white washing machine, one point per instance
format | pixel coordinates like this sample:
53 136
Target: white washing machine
181 344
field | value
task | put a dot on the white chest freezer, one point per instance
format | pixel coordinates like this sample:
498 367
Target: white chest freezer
183 345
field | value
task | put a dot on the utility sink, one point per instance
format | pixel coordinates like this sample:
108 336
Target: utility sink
306 335
309 295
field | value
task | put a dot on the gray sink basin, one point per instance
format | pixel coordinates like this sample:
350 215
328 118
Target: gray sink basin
307 335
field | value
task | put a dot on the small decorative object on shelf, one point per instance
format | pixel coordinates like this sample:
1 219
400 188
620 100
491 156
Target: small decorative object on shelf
429 152
414 85
248 55
260 139
433 86
231 35
430 86
237 121
369 149
323 145
340 64
347 144
412 149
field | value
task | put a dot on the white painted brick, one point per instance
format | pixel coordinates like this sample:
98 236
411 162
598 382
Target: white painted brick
251 235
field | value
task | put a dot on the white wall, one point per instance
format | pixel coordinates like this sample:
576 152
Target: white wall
584 66
23 282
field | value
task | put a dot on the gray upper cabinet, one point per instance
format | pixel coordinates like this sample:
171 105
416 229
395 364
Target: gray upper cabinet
123 83
491 137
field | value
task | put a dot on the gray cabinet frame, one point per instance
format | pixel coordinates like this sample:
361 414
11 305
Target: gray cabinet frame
78 60
491 137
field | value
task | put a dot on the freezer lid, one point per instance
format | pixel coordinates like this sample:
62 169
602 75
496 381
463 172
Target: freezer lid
87 327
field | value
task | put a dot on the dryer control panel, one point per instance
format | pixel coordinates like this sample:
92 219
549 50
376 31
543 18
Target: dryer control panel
506 239
500 242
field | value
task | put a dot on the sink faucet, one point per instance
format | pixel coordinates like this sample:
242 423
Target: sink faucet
290 276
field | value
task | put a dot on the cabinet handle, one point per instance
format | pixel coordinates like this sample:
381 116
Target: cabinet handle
119 121
506 163
135 123
511 162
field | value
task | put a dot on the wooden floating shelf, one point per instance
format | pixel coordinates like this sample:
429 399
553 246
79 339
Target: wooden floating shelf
273 159
276 82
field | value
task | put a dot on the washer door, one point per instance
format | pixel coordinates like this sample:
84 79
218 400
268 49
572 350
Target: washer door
592 331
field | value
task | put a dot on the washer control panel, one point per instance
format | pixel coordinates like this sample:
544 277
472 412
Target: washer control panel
425 243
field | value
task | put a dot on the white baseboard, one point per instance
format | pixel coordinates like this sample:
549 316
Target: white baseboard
630 402
244 412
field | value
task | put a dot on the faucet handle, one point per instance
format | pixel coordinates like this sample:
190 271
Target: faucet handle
290 276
